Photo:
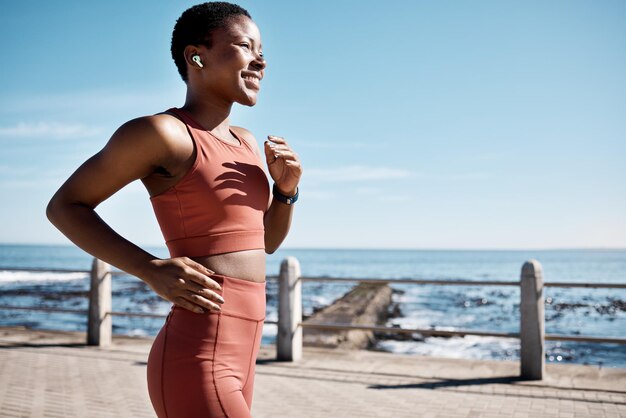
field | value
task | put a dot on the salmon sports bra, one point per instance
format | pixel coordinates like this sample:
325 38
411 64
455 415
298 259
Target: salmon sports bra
218 205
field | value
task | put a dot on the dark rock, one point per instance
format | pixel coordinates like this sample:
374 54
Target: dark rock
394 311
399 336
365 304
64 296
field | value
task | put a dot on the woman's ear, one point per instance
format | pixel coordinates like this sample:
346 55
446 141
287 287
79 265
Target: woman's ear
193 57
197 60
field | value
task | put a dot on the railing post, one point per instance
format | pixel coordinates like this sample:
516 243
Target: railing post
289 338
532 322
99 324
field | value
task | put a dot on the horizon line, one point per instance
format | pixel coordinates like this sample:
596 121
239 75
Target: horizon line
598 248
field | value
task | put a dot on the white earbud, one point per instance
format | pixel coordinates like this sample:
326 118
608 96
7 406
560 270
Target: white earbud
196 59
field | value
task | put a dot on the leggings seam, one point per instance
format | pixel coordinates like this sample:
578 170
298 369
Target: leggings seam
167 323
241 317
256 330
217 392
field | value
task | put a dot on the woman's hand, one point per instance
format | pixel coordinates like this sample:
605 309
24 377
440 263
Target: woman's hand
185 283
283 164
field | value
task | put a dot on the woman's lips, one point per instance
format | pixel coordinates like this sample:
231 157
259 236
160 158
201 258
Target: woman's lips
252 82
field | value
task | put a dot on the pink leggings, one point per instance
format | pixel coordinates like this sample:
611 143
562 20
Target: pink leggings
202 365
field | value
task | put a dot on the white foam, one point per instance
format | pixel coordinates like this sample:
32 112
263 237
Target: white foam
270 330
424 318
470 347
407 298
137 332
39 276
320 300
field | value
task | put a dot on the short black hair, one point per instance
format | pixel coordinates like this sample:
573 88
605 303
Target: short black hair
195 25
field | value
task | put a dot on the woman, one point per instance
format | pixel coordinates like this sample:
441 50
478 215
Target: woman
211 198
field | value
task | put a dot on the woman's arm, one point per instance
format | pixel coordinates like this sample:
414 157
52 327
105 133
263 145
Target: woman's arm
277 222
286 171
285 168
133 152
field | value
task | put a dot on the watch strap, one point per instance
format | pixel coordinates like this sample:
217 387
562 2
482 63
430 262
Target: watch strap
289 200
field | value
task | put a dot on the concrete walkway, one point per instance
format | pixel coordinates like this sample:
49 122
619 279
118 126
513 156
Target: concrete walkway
53 374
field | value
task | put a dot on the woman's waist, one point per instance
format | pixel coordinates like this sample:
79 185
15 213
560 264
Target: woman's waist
243 299
246 265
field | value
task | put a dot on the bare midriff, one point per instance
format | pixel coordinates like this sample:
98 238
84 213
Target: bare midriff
246 265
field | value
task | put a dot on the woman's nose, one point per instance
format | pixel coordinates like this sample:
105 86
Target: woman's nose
260 62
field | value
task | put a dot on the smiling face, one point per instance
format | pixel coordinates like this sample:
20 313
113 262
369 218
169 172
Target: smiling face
233 66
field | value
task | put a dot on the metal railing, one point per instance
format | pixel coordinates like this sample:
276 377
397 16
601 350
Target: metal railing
441 333
290 324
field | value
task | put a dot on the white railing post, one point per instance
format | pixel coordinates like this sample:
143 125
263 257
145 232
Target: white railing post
532 322
289 338
99 324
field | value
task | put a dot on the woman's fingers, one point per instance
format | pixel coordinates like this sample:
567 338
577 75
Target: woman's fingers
276 144
184 303
202 302
195 303
293 163
287 155
195 298
281 148
200 274
204 292
277 139
187 284
198 289
278 147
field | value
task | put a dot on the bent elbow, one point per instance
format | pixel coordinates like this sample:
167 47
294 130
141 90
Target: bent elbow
55 208
52 210
270 249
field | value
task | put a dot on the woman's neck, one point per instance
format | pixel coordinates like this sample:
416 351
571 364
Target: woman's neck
212 113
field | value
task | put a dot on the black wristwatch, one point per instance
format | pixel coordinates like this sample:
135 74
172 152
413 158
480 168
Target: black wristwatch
289 200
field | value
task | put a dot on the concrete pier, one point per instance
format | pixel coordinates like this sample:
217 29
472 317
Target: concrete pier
55 374
365 304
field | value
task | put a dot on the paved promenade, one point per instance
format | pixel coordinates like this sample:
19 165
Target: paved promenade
53 374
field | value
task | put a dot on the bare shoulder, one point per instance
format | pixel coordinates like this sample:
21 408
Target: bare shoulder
161 132
134 151
248 137
153 141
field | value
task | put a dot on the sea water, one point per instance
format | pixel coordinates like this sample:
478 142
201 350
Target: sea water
569 311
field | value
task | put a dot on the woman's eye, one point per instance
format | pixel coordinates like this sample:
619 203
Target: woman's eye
246 45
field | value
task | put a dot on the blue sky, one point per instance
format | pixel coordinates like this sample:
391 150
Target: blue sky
442 124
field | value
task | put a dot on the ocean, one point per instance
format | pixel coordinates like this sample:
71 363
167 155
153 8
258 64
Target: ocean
588 312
